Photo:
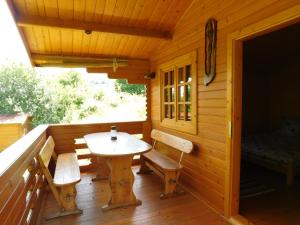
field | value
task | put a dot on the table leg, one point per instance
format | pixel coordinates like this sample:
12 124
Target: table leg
102 168
121 181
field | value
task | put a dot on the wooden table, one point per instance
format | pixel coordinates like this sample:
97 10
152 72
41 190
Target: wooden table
119 156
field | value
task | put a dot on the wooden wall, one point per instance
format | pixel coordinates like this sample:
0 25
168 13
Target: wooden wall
204 169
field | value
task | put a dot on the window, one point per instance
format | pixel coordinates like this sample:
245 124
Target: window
179 92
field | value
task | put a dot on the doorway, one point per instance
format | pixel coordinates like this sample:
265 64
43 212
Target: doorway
234 103
270 130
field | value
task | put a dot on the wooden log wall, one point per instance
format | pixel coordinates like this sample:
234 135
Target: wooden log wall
204 169
21 181
64 134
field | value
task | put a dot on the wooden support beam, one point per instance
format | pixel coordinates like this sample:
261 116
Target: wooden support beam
134 72
44 60
37 21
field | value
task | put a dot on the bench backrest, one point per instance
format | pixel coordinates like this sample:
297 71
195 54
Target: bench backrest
44 157
173 141
47 152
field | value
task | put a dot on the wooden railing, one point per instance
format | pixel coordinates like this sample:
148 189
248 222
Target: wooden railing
20 179
21 182
65 134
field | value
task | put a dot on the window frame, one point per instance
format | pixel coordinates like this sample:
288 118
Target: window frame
188 126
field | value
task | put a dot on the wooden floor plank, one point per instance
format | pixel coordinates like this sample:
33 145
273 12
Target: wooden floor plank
181 210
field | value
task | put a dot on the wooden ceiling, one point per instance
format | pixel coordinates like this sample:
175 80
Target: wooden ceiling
119 28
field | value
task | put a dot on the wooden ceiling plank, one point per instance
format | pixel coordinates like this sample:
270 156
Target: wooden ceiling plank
146 13
176 13
137 11
78 12
128 12
85 45
159 12
41 8
108 11
38 39
25 21
99 9
119 11
47 40
51 8
93 43
90 10
108 45
66 9
31 7
77 41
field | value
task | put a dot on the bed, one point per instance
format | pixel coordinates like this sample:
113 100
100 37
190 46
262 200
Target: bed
278 150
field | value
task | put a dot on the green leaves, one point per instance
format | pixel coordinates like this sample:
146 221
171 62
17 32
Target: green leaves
123 86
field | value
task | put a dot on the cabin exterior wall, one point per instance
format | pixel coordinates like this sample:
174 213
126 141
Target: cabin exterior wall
204 169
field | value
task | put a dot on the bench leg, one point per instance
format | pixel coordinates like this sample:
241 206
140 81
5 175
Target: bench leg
144 169
67 196
170 180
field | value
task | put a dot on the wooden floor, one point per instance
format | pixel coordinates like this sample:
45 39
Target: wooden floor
185 209
281 207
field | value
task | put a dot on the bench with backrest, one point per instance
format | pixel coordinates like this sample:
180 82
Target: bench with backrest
168 168
66 176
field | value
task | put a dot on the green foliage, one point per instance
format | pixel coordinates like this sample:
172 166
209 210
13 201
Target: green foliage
99 95
67 97
20 91
123 86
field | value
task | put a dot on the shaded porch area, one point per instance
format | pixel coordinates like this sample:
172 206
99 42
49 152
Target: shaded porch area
184 209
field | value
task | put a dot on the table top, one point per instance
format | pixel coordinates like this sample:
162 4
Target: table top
126 144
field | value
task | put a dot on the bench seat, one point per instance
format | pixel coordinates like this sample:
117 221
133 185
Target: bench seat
162 161
66 175
67 170
166 167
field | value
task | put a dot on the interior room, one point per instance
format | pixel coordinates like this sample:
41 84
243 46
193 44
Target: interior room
269 185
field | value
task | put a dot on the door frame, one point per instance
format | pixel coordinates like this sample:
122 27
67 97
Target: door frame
234 102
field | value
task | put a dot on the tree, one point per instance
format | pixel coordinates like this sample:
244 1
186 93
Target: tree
123 86
21 91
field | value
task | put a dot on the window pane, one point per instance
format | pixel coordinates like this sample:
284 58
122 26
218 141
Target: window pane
171 77
181 112
172 94
188 112
188 76
181 75
166 94
172 112
166 79
166 111
188 93
181 93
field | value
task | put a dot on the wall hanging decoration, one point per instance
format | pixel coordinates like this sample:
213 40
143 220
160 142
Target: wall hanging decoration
210 50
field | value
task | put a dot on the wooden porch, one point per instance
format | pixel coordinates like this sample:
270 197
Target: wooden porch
25 198
185 209
130 40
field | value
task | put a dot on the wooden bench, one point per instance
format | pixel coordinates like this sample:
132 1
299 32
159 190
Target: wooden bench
168 168
66 176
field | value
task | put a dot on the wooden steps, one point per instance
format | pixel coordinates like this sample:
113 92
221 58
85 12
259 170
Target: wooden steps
84 155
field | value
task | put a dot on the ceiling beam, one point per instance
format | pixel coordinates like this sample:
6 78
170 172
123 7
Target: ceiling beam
32 21
43 60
